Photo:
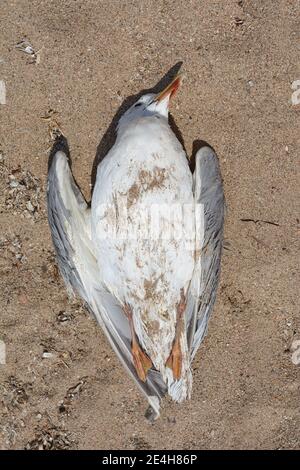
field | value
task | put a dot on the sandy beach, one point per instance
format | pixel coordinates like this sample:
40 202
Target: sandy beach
61 386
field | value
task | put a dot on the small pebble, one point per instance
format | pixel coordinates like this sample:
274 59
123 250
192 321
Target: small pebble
295 348
47 355
29 206
64 316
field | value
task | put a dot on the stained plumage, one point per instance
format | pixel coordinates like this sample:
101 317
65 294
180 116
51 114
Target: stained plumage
145 257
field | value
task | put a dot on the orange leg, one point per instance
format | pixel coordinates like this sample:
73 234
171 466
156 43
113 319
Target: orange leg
174 361
142 362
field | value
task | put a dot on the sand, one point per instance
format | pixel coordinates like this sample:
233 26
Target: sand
62 386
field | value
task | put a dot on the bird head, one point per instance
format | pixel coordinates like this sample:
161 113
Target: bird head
151 104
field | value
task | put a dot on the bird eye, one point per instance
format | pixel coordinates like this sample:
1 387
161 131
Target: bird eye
137 104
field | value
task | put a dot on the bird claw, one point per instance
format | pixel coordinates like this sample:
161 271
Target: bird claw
174 361
142 362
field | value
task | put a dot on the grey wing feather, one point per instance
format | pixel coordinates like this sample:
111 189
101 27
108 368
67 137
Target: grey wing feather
209 203
69 220
60 220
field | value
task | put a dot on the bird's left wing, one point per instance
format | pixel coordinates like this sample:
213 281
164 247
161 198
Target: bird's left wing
70 223
209 210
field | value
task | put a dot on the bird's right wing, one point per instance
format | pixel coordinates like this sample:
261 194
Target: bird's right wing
209 209
70 224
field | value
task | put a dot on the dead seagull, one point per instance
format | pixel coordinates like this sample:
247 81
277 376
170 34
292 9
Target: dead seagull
145 255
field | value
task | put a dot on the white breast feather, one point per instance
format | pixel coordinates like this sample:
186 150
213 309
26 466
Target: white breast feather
148 274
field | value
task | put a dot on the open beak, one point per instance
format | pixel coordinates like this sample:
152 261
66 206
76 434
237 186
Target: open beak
170 90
